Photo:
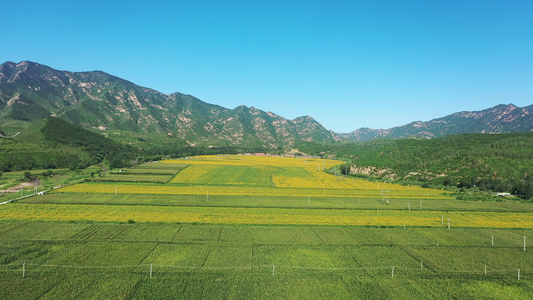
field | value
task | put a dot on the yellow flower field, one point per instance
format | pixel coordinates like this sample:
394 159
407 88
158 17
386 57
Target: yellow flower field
247 160
263 216
240 175
408 193
265 176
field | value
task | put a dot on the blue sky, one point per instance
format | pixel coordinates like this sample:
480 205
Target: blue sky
348 64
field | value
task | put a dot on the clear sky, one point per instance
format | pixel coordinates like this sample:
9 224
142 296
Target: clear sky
348 64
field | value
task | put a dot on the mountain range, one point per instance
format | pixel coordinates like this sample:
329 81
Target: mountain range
30 92
498 119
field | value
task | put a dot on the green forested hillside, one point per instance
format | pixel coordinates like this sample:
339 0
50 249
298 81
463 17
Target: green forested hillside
499 162
17 155
61 132
54 143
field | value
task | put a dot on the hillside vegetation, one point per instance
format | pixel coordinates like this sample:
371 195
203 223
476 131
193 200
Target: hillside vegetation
53 143
29 92
498 162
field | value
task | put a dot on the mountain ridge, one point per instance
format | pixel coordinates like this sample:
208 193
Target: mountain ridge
97 100
30 91
498 119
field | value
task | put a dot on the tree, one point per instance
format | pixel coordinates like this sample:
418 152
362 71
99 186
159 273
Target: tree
116 162
73 167
345 169
528 187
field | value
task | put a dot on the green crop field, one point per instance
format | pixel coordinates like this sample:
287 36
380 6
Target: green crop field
128 177
155 168
149 172
261 228
226 175
161 260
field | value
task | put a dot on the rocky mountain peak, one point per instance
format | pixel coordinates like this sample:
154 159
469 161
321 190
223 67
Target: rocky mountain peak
30 92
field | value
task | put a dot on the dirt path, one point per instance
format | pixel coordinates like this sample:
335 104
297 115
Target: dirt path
16 189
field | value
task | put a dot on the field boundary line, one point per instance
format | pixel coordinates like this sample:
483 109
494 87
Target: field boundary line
23 197
14 267
176 234
259 269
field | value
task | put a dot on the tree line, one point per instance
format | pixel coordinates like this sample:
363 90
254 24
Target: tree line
497 162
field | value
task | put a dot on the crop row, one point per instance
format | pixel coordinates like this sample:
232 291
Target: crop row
288 284
24 233
302 201
273 216
149 167
136 178
244 160
248 191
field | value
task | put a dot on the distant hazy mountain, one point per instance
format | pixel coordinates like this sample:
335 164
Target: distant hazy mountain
498 119
30 92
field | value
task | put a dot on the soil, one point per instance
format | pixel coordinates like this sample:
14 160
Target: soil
16 189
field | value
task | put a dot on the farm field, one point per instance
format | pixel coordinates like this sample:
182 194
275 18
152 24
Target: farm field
150 172
265 216
261 228
277 201
82 260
